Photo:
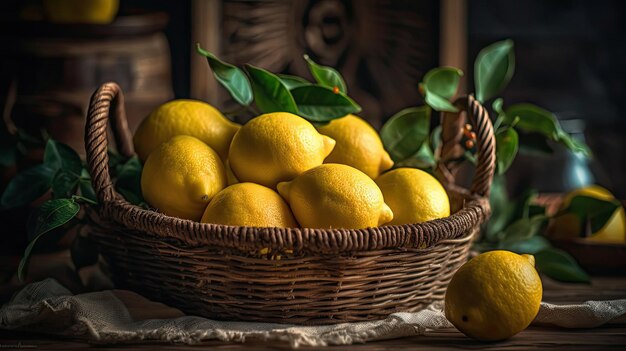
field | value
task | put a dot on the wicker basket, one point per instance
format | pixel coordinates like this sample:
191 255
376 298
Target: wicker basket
323 276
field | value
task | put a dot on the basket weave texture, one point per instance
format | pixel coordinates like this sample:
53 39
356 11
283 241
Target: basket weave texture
323 276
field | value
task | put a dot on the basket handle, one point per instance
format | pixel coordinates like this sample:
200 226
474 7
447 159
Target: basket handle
107 102
485 142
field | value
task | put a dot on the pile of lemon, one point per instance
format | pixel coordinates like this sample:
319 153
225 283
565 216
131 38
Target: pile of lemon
277 170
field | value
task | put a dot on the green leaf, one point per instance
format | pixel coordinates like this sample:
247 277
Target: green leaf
530 245
321 104
60 156
270 95
573 144
86 189
533 118
559 265
404 134
52 214
424 158
128 182
493 69
27 186
592 210
506 149
438 103
64 184
292 82
497 104
501 208
523 228
326 76
435 138
232 78
442 81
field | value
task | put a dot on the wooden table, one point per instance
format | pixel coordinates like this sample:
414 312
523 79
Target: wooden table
541 338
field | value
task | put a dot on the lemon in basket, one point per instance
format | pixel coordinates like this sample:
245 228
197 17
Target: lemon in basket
358 145
184 117
494 296
413 195
181 176
249 204
335 196
569 225
276 147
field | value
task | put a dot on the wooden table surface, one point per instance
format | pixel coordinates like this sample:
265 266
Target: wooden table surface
602 288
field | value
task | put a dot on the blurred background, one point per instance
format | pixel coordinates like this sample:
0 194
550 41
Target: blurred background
569 60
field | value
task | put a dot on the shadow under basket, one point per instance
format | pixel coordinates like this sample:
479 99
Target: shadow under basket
283 275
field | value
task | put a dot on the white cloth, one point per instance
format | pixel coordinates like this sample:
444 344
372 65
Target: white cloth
101 317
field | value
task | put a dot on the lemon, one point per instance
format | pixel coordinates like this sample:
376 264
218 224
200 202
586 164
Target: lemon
249 204
413 195
276 147
569 225
494 296
185 117
358 145
81 11
181 176
335 196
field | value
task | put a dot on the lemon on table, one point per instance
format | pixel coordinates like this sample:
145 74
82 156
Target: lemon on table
276 147
358 145
185 117
80 11
569 225
181 176
494 296
249 204
413 195
335 196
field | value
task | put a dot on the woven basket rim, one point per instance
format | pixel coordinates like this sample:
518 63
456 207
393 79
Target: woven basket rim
107 105
323 240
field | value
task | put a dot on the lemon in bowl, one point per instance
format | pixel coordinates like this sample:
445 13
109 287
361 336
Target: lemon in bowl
181 176
276 147
413 195
335 196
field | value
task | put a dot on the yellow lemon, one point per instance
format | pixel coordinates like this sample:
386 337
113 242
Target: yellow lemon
181 176
81 11
276 147
185 117
413 195
249 204
494 296
569 225
358 145
335 196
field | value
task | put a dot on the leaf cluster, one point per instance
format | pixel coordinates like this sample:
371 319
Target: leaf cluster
65 176
320 101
